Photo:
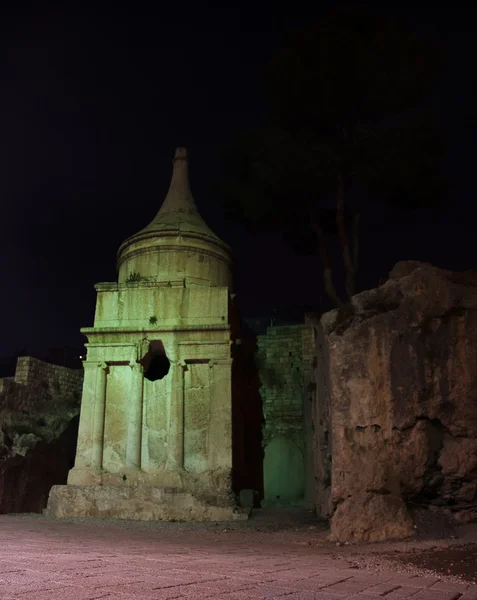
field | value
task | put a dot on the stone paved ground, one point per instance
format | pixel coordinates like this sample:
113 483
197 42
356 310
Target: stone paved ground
45 559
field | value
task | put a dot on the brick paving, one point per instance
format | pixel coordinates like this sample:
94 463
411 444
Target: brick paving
44 559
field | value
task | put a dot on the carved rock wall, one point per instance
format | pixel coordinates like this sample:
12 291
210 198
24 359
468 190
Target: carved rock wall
401 383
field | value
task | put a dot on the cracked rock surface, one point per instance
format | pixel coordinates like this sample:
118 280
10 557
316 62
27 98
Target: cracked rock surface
401 382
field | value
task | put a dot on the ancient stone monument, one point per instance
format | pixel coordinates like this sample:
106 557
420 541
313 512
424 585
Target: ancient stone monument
155 434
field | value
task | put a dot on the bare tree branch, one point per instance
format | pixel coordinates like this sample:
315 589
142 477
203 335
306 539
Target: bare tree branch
356 219
327 270
343 237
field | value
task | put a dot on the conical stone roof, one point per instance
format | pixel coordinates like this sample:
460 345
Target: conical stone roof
179 211
177 226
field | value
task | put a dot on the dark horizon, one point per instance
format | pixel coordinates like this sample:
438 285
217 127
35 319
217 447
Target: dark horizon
93 107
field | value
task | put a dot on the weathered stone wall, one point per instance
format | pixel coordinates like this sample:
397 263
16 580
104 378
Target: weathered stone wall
285 359
401 384
39 410
47 379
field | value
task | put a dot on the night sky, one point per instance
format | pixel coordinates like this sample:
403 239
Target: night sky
92 106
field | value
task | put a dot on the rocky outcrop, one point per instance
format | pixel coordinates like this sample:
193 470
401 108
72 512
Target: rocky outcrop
39 410
401 385
367 516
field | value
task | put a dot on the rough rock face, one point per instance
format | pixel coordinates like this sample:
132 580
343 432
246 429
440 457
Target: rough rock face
402 390
39 410
357 517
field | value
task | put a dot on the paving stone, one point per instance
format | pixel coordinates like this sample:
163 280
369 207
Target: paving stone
449 586
429 594
43 559
313 596
401 592
419 582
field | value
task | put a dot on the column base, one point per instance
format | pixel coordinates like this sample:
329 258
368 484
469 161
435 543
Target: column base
126 477
85 476
135 503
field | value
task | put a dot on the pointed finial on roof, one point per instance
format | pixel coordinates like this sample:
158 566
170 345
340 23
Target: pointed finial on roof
181 154
178 216
179 197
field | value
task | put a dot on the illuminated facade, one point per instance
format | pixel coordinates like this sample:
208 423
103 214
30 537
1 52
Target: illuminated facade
155 433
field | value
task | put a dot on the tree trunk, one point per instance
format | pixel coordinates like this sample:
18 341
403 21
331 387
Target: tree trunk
350 272
356 220
327 271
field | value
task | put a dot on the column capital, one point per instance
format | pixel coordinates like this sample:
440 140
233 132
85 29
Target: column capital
95 364
90 364
142 346
135 366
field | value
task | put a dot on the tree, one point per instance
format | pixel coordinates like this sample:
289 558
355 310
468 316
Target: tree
348 106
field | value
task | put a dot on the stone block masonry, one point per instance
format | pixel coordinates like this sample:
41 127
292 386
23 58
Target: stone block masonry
39 410
283 365
285 360
54 380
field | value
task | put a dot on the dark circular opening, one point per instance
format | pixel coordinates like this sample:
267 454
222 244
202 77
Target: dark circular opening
155 362
158 367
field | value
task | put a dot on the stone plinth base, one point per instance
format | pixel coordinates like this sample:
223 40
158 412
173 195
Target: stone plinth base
135 503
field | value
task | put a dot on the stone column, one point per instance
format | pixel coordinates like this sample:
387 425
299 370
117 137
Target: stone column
176 420
220 426
134 440
85 430
97 438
